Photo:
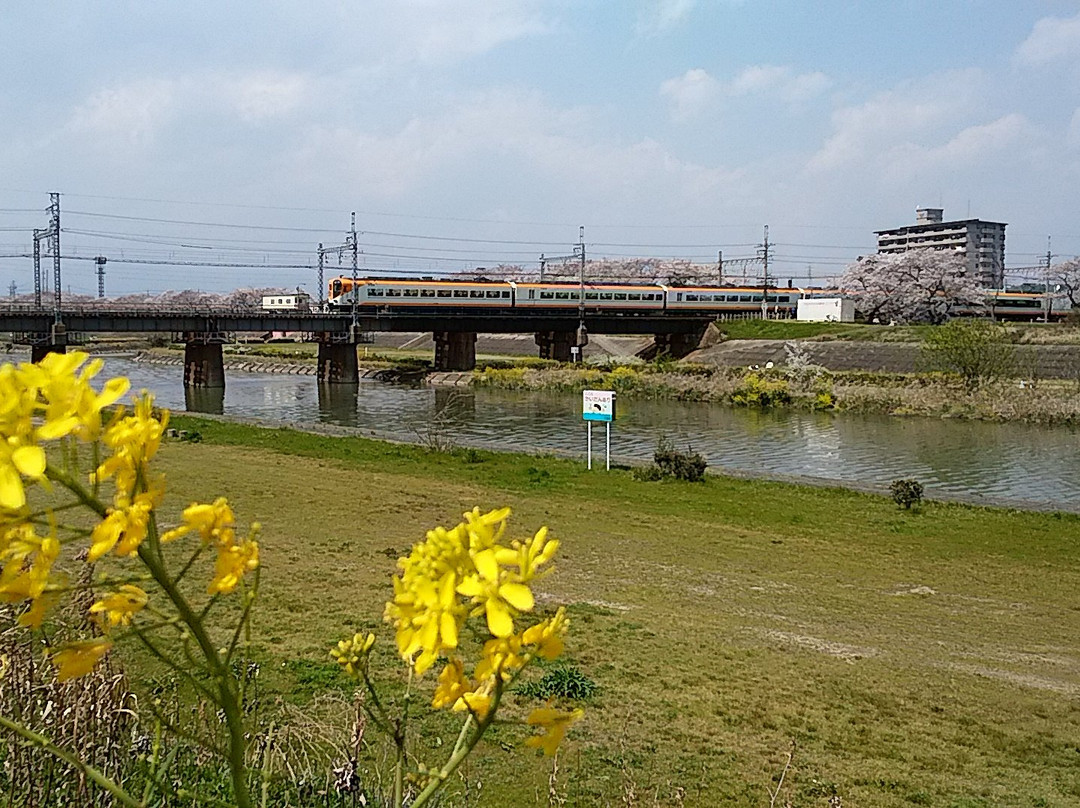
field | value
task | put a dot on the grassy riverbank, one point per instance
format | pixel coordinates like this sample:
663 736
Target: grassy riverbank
925 658
931 394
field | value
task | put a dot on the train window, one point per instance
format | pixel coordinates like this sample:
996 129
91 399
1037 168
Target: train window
592 296
756 298
620 295
427 293
461 293
506 295
562 295
476 293
547 295
784 299
732 298
745 298
336 288
691 297
532 294
605 295
492 293
634 296
444 293
393 293
412 293
374 292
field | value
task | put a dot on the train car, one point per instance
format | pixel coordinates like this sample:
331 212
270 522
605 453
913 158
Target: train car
598 296
733 300
290 301
1026 306
426 294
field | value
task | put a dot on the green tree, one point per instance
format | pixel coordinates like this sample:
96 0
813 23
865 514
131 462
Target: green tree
977 351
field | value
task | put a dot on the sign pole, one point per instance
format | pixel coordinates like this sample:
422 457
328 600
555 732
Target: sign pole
607 429
590 446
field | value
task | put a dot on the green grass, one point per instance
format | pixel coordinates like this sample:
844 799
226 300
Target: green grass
925 658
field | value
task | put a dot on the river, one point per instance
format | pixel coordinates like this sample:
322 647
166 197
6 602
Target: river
1016 464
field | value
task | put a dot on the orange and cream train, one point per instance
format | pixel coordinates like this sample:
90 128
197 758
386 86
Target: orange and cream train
402 294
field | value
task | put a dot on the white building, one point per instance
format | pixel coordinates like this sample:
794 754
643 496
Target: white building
982 243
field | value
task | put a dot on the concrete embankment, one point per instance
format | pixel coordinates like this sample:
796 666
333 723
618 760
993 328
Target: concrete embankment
1035 361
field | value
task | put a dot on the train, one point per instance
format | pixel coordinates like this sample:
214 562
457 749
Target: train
405 294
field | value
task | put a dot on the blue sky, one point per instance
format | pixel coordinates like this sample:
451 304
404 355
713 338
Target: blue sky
474 133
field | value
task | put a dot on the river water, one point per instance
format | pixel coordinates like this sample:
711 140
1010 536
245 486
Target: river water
1005 463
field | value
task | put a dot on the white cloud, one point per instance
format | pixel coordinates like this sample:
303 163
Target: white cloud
696 90
782 80
911 114
1051 39
261 96
1072 135
131 113
664 15
690 93
562 146
442 31
971 147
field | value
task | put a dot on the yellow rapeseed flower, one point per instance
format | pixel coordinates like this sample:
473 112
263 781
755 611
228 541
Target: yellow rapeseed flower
351 654
215 523
125 527
134 440
79 658
498 597
28 560
119 607
452 685
554 723
232 562
547 634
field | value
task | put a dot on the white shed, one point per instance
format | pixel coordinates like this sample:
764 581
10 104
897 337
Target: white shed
826 309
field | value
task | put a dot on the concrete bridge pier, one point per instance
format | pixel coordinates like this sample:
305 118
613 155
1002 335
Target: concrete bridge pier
55 342
203 365
556 344
678 345
455 350
337 363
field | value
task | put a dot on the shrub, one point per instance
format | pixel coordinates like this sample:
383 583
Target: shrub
688 465
758 391
648 474
906 493
561 682
977 351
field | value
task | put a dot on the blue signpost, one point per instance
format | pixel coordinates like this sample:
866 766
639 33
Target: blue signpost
599 405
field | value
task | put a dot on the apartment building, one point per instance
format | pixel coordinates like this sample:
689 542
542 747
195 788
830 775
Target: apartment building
982 243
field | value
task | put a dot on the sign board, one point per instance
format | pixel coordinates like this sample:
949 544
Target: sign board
598 405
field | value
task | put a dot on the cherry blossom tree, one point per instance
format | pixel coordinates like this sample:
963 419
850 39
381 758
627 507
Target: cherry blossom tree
917 286
1066 276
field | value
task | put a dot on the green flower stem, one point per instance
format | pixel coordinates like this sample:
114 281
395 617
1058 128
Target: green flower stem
72 485
439 778
91 773
150 553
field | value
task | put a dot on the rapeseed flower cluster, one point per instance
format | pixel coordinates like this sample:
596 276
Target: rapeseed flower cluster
471 571
53 402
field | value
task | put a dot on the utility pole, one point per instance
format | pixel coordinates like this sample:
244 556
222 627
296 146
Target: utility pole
355 277
54 225
12 289
38 235
100 261
543 267
1046 290
582 335
322 290
720 268
763 251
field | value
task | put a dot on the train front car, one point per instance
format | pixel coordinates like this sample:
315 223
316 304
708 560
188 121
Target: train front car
598 296
403 294
782 303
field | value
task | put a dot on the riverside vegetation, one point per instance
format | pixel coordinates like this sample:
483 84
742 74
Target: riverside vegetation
923 657
77 731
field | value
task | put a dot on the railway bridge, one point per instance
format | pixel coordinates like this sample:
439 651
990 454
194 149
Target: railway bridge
204 330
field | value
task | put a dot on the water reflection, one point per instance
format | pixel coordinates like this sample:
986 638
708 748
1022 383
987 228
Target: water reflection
1003 461
337 403
205 399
